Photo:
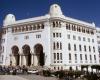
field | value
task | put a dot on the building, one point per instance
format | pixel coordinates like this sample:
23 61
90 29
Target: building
52 40
98 39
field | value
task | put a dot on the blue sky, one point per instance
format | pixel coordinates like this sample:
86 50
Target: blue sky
86 10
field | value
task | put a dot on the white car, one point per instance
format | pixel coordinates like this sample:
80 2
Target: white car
33 71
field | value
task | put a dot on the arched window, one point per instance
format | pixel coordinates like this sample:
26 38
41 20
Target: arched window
89 49
69 46
84 48
90 57
54 56
69 56
80 48
93 49
57 45
85 57
57 56
53 24
94 57
54 46
74 47
60 45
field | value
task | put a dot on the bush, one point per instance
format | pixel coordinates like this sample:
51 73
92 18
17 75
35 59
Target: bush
46 73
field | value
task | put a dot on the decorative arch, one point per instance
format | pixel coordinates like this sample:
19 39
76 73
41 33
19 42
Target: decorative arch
26 49
15 50
38 49
27 54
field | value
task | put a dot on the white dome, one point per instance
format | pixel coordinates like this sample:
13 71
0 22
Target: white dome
9 19
55 10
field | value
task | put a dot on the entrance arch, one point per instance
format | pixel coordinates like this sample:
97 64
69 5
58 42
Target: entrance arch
15 53
38 49
27 54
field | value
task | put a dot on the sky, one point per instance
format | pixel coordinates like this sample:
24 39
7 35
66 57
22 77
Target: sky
86 10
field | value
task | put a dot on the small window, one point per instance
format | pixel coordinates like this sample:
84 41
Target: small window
80 56
53 34
94 57
75 56
69 46
26 37
79 38
80 48
54 56
74 37
90 57
57 56
85 57
88 39
83 38
89 49
93 40
74 47
68 36
85 48
93 49
69 56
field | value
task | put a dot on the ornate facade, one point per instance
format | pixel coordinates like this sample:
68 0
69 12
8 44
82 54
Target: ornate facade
52 40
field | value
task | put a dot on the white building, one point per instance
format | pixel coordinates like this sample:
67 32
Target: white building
98 39
52 40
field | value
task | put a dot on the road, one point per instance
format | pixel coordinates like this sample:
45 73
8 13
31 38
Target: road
25 77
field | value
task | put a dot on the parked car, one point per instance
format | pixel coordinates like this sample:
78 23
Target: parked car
33 71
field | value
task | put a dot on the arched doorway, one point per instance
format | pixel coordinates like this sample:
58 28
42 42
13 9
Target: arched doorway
27 54
38 49
15 53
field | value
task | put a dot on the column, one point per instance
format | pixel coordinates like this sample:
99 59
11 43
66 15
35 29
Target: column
24 60
20 60
32 59
35 60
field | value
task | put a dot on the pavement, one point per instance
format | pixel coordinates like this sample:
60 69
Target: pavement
25 77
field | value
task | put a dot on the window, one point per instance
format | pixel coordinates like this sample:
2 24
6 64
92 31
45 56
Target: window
56 34
74 47
88 39
60 56
69 46
57 56
15 38
75 56
84 48
79 38
54 46
69 56
57 45
68 36
60 34
38 36
60 45
54 56
74 37
80 56
93 49
93 40
90 57
26 37
53 34
85 57
2 48
89 49
94 57
83 38
80 48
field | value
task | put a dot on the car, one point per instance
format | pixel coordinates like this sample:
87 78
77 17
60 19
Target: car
33 71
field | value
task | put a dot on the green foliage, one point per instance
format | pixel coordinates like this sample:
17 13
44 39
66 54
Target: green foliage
46 73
